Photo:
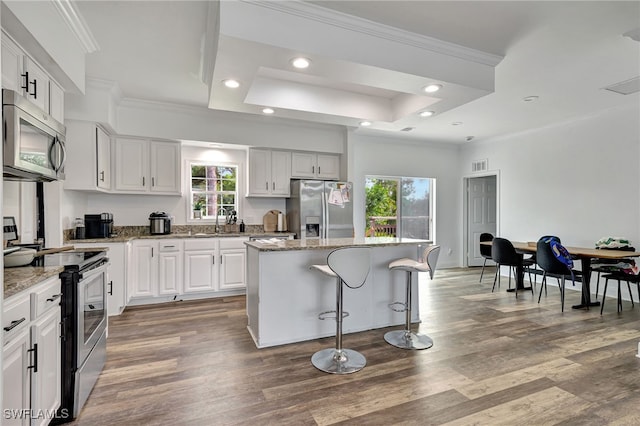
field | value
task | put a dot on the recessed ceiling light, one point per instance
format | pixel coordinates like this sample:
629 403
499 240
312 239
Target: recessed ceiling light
365 123
268 110
300 63
426 113
232 84
469 138
530 99
432 88
456 123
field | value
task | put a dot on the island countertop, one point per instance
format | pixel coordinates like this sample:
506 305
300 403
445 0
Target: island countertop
329 243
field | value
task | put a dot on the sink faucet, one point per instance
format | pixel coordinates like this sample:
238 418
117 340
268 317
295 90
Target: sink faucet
226 215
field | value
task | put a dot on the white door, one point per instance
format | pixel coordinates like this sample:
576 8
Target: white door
145 267
103 153
165 167
46 382
132 159
16 385
200 271
170 275
280 173
481 214
232 267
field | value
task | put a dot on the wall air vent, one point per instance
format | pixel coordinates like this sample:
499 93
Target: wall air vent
625 87
480 165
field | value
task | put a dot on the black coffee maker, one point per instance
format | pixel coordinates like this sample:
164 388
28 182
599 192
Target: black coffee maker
98 225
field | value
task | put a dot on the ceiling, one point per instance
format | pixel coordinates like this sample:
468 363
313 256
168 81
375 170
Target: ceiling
370 60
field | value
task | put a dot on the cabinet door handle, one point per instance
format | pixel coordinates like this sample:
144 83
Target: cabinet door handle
151 251
110 288
35 89
34 351
266 186
14 324
318 169
142 180
54 297
153 181
214 259
26 81
313 169
273 184
102 175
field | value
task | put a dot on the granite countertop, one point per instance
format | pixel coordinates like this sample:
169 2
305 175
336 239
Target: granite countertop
124 239
22 277
330 243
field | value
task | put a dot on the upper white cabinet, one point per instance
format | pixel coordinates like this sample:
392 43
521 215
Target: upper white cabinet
103 159
23 75
143 166
269 173
88 165
310 165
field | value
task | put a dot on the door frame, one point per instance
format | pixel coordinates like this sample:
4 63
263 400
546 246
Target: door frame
465 210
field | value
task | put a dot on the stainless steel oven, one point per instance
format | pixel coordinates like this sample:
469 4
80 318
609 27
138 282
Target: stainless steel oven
84 326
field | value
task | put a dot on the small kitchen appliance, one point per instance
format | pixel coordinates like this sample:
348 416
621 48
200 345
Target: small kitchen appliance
98 225
159 223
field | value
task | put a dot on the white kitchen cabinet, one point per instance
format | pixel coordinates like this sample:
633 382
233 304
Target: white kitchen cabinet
269 173
144 269
170 267
118 254
88 166
200 266
143 166
310 165
23 75
46 381
12 65
32 353
233 261
131 165
16 384
103 159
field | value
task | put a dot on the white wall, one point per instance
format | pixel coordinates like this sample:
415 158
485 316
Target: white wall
578 180
369 155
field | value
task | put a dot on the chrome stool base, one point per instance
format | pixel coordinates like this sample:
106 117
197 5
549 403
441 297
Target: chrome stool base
335 361
408 340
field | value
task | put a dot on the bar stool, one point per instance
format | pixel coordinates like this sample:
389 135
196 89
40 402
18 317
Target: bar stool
349 266
406 339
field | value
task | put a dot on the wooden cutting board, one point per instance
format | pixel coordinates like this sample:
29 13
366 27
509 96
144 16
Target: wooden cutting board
270 221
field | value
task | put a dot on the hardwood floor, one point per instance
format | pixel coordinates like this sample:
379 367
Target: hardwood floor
496 360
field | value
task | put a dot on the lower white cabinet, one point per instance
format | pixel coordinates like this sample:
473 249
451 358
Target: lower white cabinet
194 267
170 267
31 355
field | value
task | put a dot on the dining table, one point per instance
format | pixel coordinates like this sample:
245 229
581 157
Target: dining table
584 254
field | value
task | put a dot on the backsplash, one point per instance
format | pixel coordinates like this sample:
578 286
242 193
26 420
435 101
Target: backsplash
137 231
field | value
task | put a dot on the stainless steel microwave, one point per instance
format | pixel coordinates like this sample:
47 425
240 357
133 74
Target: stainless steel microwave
33 141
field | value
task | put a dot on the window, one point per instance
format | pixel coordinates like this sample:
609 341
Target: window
399 207
213 187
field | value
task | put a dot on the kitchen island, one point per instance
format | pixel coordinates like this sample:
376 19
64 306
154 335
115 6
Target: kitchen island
284 297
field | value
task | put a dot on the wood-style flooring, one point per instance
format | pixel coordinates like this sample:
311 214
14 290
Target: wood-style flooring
496 360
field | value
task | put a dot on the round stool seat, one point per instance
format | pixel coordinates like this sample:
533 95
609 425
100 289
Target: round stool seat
324 269
406 264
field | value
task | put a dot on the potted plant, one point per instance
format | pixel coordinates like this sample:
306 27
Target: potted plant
197 209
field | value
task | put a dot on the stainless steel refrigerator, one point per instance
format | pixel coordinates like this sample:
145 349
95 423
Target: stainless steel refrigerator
320 209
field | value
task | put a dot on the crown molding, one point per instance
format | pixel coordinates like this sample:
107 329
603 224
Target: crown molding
77 24
375 29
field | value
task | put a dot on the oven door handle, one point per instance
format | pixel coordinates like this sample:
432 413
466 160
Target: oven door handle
89 274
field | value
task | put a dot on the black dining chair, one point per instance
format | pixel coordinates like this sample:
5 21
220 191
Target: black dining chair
485 250
551 265
608 266
503 253
620 276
